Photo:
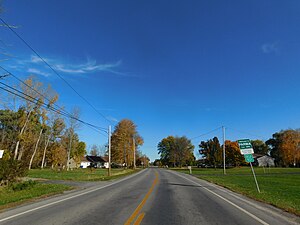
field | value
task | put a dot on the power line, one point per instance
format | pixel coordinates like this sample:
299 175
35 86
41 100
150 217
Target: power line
67 114
204 134
44 105
55 72
30 87
244 132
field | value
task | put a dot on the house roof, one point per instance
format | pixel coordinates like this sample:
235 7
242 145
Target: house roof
105 158
83 159
94 159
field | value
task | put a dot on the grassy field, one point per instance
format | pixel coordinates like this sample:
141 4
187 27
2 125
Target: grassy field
279 186
78 174
10 197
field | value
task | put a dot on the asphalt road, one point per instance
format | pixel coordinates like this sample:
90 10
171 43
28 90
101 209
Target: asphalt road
152 196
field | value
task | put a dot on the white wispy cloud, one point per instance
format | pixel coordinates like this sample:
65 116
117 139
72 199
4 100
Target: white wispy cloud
38 72
270 48
34 64
35 59
88 67
112 119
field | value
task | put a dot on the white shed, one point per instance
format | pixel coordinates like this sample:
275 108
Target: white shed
265 161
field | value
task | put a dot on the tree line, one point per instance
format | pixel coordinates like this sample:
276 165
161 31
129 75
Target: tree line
35 133
284 147
32 134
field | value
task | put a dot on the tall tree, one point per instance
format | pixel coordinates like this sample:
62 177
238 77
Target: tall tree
57 125
123 138
212 151
94 150
31 87
166 150
73 123
176 151
285 147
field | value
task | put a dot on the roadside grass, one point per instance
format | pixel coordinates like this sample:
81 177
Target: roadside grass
10 197
79 174
19 193
279 186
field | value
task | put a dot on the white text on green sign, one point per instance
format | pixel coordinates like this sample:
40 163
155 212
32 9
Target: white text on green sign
245 146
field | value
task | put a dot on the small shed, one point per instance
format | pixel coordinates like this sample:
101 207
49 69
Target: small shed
265 161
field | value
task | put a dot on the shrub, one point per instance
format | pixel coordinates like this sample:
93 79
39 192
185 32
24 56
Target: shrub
10 170
23 185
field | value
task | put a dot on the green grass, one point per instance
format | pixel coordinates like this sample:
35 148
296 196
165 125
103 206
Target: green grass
279 186
27 191
9 197
79 174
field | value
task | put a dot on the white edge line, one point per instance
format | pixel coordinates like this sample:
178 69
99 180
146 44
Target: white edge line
226 200
68 198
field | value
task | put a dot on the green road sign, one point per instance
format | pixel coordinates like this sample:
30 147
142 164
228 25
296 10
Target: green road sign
249 158
245 146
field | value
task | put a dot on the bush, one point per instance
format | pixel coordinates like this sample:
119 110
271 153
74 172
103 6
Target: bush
23 185
11 170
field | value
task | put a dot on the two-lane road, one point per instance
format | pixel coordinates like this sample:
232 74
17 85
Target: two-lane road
152 196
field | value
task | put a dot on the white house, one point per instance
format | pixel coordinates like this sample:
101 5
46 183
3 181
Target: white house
94 161
84 163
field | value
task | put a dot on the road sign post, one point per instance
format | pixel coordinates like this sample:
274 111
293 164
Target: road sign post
247 150
190 169
254 178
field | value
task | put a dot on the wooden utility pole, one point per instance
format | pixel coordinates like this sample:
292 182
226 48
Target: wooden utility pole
133 141
109 150
224 166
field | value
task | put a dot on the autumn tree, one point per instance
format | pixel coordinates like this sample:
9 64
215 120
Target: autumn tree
233 153
33 102
123 139
212 151
56 127
176 151
285 147
290 147
142 160
73 126
79 152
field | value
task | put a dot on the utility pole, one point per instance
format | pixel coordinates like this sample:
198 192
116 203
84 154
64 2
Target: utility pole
109 150
224 166
133 141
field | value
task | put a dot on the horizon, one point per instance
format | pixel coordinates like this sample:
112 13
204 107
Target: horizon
180 68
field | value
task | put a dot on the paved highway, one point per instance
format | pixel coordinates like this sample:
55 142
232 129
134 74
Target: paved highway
152 196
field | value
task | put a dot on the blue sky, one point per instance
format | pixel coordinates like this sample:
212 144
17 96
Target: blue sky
173 67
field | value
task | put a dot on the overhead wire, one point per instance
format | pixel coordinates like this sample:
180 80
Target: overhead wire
39 93
44 105
204 134
54 71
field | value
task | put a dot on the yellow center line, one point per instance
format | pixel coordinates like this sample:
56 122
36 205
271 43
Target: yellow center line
139 219
140 206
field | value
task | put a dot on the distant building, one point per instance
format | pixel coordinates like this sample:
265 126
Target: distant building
265 161
84 163
94 161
